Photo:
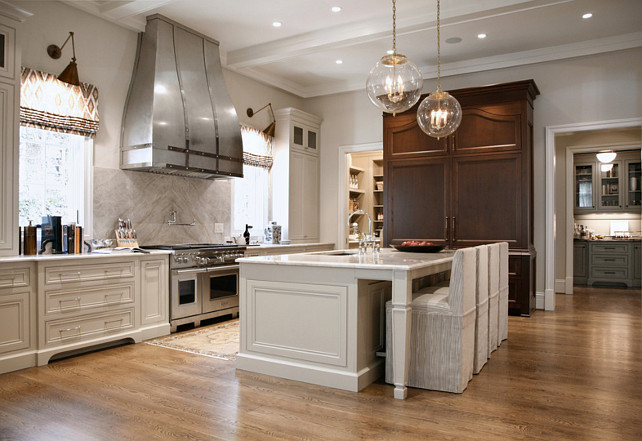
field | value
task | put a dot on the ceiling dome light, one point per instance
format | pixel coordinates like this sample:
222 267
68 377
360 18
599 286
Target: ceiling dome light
481 36
587 15
606 167
339 61
394 84
277 24
606 157
336 9
439 114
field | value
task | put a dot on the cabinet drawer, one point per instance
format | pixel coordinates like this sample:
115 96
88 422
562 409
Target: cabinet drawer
609 273
80 299
610 259
86 273
14 277
610 248
87 327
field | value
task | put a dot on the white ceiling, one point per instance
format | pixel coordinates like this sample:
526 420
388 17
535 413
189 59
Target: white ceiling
300 56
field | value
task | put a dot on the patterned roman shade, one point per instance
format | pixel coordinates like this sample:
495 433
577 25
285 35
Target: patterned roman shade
50 104
257 148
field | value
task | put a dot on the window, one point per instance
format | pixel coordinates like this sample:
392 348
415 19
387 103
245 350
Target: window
54 176
58 122
251 193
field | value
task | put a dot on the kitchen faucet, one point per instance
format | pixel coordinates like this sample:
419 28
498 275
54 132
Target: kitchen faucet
369 239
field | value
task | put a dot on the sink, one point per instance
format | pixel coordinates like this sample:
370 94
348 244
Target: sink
341 253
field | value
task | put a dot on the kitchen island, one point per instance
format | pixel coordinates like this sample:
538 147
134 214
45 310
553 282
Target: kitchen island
319 317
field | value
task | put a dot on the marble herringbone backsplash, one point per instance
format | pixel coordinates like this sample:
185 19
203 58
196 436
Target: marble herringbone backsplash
148 198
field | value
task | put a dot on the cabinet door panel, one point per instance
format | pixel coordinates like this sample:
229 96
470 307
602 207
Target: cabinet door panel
487 200
304 197
404 138
417 203
492 128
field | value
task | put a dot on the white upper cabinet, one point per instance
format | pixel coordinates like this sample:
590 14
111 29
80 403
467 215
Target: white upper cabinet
295 175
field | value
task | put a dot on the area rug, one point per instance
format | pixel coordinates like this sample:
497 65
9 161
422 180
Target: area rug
220 340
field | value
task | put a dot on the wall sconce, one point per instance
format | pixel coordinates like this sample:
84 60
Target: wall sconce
269 130
70 74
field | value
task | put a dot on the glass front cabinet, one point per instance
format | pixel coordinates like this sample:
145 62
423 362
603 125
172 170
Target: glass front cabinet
608 188
584 194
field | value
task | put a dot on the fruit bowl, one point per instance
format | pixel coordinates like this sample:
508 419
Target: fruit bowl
419 248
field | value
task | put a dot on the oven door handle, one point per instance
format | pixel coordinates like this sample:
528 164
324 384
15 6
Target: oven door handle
217 269
189 271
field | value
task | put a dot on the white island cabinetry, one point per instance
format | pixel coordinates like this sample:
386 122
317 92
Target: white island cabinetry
82 301
319 317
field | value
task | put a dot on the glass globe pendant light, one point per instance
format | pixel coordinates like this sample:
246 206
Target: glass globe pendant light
439 114
394 83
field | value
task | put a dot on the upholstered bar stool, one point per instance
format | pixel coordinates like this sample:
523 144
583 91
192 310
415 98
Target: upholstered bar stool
493 296
481 317
442 339
502 321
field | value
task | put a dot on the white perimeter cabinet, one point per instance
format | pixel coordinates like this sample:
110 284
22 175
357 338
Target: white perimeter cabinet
9 120
51 306
296 174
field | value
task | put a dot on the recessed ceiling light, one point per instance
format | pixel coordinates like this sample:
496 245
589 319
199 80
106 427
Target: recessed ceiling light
277 24
587 15
453 40
339 61
390 52
336 9
481 36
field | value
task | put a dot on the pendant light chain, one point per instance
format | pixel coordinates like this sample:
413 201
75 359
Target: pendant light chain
438 51
394 27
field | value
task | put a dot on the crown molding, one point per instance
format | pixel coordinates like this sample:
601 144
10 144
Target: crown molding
13 12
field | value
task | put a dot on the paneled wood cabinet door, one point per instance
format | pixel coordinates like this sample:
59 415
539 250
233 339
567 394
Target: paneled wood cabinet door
405 139
486 200
418 203
489 128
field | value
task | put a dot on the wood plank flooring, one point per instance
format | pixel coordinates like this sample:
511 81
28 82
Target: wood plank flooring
572 374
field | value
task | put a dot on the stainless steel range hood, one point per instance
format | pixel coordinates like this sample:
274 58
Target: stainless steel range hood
178 116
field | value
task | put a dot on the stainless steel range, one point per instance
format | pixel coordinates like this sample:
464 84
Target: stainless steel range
203 280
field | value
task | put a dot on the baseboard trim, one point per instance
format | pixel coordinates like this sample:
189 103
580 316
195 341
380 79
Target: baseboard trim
560 285
539 300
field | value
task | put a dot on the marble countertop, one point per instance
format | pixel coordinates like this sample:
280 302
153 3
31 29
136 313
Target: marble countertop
61 257
388 259
290 245
629 239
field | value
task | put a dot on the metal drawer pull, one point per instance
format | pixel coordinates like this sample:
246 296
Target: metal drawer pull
76 328
609 272
609 260
120 320
74 273
75 299
609 248
119 294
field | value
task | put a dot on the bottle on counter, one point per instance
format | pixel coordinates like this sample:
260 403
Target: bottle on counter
246 234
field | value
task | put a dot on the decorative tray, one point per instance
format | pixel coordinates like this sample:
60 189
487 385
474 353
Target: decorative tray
419 248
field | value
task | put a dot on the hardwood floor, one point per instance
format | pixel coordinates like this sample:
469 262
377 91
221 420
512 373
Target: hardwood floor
572 374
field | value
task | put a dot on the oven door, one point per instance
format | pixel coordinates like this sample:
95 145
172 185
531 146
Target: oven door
185 295
220 287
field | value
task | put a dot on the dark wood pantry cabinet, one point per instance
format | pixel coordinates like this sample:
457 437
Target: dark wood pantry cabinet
473 187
